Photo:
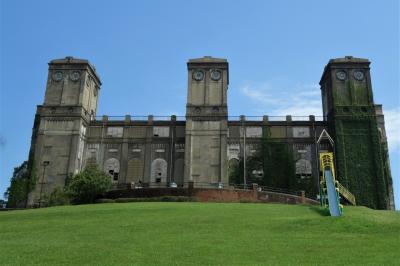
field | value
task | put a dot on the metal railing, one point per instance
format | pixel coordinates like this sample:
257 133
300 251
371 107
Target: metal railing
230 118
276 118
139 118
242 186
166 185
204 185
346 194
281 190
266 188
111 117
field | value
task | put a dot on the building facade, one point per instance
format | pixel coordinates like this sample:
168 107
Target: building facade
202 147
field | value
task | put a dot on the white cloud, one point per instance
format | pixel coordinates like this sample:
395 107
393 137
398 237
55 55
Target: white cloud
392 126
301 100
262 94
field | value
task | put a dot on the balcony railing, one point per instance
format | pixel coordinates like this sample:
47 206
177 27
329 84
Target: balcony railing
107 118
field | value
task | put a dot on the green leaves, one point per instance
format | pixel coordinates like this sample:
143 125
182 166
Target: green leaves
22 182
85 186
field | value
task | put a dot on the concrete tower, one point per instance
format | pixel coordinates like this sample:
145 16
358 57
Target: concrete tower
61 122
206 122
352 121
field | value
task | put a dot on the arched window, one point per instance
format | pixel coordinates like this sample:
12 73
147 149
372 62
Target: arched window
303 168
111 167
159 171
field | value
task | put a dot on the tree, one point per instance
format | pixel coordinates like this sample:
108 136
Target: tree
87 185
22 182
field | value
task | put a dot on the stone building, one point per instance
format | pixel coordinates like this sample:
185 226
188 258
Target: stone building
202 146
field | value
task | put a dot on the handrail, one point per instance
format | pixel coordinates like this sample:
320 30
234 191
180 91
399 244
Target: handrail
346 194
266 188
248 118
280 190
206 185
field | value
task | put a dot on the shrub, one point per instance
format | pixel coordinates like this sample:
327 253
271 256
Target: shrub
185 199
58 197
167 199
125 200
246 201
105 201
87 185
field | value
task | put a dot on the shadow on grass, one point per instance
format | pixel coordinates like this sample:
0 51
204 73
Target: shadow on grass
320 210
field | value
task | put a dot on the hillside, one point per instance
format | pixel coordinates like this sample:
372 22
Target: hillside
198 233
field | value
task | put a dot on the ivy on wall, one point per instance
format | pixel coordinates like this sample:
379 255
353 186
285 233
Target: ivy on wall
387 171
278 164
360 161
360 155
272 165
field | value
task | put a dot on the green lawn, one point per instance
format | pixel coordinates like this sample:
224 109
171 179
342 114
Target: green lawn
198 233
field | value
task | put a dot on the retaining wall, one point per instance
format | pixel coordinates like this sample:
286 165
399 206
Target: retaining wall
212 195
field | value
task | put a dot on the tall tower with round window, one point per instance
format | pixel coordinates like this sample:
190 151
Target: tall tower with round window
206 122
61 122
349 107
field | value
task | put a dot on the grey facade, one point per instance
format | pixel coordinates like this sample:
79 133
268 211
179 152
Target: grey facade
198 148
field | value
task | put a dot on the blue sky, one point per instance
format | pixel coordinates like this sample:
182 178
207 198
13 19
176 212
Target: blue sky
276 49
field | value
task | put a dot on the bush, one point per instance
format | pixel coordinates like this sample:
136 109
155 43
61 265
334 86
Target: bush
58 197
246 201
105 201
87 185
125 200
185 199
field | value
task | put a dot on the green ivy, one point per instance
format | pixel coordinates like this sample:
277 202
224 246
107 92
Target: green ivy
360 159
84 187
275 158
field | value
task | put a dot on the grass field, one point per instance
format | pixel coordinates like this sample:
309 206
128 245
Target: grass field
198 233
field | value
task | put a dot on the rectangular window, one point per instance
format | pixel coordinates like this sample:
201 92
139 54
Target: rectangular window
254 132
115 132
301 132
161 132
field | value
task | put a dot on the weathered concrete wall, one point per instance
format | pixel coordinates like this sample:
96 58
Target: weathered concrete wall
135 146
146 151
